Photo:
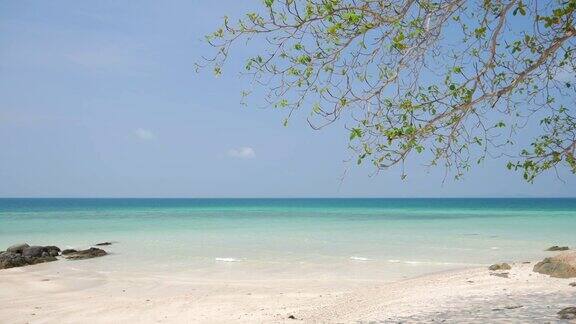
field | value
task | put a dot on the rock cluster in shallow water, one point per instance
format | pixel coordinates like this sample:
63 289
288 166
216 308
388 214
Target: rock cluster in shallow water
20 255
23 254
558 248
85 254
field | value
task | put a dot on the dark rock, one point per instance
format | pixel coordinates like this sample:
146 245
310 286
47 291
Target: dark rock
104 244
68 251
53 250
41 251
572 284
86 254
17 248
12 260
558 248
291 317
23 255
46 258
500 266
33 251
560 266
501 275
568 313
507 307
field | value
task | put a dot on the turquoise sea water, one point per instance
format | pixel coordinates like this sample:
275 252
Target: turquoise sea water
353 238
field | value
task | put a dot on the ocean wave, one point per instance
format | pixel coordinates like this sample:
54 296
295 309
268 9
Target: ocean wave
414 262
227 260
419 262
356 258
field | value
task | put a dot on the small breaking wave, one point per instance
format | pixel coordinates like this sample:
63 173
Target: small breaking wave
413 262
226 260
356 258
420 262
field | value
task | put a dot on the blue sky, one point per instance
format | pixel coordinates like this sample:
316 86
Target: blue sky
101 99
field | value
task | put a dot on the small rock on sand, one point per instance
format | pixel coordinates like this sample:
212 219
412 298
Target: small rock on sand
103 243
507 307
562 265
558 248
500 266
572 284
568 313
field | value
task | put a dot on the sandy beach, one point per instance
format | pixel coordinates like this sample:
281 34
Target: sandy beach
70 292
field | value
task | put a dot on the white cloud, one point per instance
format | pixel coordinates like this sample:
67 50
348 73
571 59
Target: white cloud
242 153
144 134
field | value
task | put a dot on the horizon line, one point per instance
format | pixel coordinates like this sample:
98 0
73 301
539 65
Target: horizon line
295 197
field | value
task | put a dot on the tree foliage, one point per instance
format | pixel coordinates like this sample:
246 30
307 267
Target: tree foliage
448 82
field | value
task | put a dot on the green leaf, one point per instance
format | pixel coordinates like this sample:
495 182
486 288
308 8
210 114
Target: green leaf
356 132
480 32
316 109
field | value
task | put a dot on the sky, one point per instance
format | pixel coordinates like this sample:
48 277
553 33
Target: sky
101 99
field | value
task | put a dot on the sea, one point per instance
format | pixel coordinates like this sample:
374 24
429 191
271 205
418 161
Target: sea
359 239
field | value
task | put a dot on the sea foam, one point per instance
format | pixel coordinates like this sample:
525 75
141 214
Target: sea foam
434 263
226 260
356 258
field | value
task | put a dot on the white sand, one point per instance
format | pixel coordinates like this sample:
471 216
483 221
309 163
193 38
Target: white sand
69 292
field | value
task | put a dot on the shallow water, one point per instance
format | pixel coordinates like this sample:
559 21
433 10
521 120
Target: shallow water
290 238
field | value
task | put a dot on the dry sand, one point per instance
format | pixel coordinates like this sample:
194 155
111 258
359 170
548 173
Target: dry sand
70 292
